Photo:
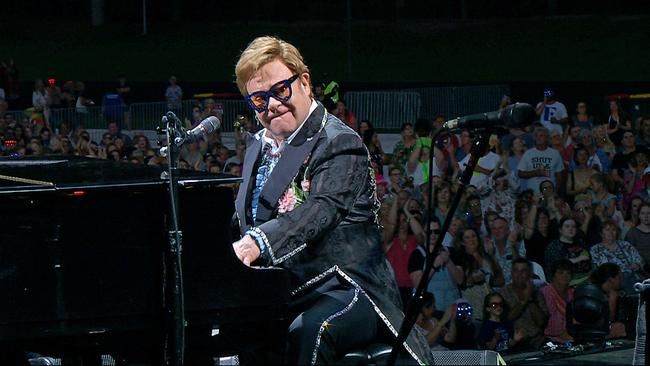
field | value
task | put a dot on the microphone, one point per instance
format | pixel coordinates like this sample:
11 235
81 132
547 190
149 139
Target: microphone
513 116
206 127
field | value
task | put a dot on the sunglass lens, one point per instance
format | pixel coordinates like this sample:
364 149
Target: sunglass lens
259 101
282 91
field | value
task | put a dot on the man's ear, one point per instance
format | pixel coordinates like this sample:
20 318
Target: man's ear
305 82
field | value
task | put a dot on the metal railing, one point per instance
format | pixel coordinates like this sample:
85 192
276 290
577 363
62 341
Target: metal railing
148 116
90 117
387 110
456 101
230 109
384 109
17 115
139 116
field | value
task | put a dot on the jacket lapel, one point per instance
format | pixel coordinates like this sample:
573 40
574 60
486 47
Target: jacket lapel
244 195
293 156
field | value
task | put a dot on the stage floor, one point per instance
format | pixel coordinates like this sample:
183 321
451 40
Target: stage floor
620 352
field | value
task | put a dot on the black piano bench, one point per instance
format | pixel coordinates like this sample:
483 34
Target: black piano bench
374 354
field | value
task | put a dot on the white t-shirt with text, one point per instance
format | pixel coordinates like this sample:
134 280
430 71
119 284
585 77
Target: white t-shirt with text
555 110
549 159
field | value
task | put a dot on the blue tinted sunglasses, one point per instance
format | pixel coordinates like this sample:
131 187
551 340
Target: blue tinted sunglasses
281 91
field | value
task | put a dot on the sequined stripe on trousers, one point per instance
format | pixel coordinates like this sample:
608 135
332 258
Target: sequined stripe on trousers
349 279
328 320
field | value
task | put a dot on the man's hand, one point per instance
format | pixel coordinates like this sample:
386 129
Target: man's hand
246 250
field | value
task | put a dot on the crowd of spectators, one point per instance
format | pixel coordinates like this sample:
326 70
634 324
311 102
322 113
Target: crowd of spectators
551 206
563 202
25 138
33 133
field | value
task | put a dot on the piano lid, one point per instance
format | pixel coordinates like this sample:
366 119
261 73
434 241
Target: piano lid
37 173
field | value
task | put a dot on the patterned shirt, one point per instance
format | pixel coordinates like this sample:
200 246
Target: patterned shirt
269 161
406 153
624 255
505 260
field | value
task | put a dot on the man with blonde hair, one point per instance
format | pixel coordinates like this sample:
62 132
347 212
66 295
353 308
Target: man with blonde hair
308 204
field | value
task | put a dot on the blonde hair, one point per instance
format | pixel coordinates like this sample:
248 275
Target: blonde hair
263 50
601 138
604 179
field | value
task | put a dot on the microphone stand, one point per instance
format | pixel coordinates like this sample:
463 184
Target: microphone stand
641 349
173 298
479 148
645 296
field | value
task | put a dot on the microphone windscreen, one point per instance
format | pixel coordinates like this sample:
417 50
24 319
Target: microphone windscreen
519 115
211 124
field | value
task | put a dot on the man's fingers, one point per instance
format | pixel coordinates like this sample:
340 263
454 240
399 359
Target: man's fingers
243 257
246 250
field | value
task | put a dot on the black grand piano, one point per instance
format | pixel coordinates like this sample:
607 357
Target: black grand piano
83 265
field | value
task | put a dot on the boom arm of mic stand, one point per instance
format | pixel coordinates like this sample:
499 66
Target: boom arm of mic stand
479 149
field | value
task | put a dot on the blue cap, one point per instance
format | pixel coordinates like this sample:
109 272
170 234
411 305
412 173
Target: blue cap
548 92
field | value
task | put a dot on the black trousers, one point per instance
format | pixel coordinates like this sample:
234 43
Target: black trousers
330 321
